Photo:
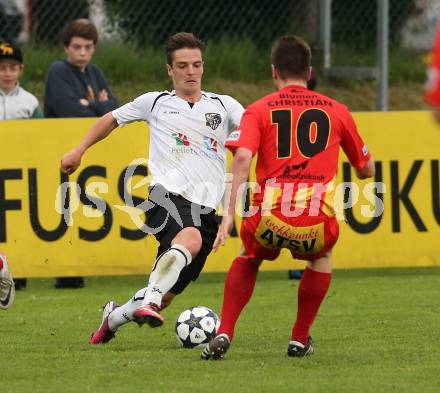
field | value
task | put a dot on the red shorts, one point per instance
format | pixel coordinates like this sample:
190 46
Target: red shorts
306 237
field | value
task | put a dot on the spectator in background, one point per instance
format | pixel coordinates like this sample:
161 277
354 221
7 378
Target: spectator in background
433 84
76 88
15 102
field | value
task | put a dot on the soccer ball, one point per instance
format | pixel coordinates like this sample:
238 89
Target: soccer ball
196 326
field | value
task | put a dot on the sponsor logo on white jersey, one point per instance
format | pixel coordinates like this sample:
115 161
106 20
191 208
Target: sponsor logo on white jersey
181 139
210 143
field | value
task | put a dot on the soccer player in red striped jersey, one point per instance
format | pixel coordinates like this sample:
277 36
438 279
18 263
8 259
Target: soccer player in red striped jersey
432 95
296 133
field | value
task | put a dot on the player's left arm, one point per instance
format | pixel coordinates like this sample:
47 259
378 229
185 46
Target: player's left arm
367 171
355 148
240 167
235 112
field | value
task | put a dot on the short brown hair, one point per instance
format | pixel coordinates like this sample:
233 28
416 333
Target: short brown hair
180 41
80 28
291 56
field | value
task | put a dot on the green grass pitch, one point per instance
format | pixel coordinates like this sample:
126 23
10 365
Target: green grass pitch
378 331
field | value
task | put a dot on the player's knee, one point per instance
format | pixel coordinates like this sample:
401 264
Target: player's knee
244 258
243 255
194 246
191 239
322 264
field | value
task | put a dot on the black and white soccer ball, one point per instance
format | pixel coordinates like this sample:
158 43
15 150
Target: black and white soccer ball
196 326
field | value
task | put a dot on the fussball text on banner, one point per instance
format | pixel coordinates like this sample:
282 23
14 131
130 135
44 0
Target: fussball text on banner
52 224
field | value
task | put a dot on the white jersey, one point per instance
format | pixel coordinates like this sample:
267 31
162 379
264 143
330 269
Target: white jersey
187 141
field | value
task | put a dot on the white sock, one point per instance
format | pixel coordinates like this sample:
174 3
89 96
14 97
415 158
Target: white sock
162 279
166 272
124 314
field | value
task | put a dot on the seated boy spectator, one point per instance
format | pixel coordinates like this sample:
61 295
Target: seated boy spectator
15 102
76 88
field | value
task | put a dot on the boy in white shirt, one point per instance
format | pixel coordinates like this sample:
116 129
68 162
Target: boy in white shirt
15 102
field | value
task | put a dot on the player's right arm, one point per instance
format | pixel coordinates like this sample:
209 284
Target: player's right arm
136 110
244 144
103 127
241 164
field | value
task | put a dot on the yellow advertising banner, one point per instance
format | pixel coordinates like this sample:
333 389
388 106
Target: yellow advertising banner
392 220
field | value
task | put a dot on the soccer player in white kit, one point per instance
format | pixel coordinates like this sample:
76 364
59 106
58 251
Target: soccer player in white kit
187 158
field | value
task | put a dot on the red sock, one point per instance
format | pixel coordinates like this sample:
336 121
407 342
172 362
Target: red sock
311 293
239 286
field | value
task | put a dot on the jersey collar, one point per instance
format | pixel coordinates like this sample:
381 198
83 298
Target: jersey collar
202 96
294 87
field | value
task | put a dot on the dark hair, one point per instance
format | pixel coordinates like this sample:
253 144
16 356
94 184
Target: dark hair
180 41
80 28
291 56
